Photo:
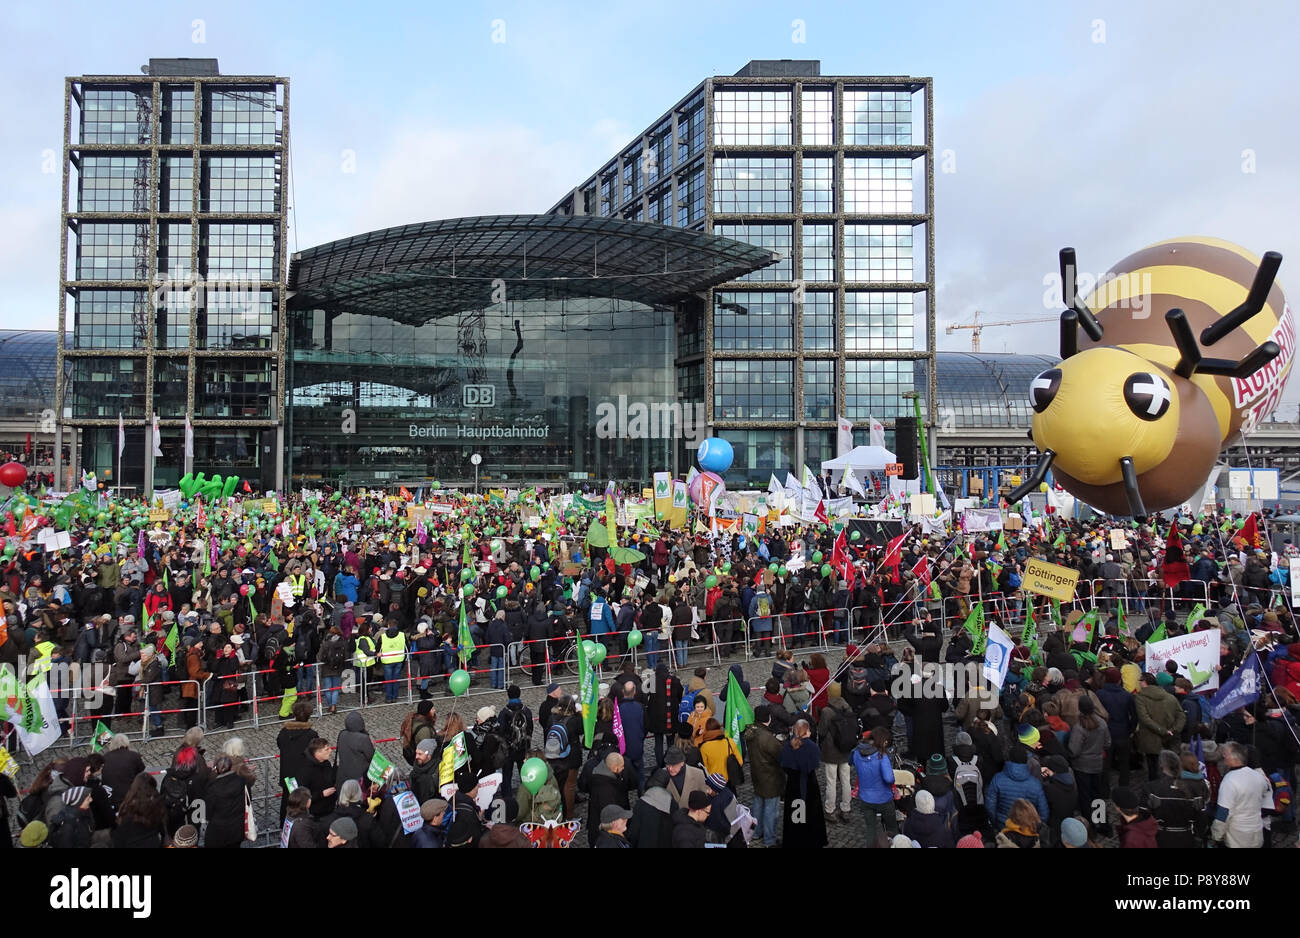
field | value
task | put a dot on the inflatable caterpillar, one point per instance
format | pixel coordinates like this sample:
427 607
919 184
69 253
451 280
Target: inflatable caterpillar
1134 416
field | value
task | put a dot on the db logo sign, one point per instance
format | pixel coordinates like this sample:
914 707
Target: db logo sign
480 395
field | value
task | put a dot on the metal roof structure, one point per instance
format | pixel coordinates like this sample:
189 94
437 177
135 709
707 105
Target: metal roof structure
418 273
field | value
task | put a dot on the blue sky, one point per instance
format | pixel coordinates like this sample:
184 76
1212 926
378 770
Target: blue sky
1105 126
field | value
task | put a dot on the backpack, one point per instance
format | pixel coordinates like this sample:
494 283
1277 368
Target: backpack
858 683
31 808
687 706
176 798
557 742
98 655
270 649
335 656
518 734
844 731
968 774
763 605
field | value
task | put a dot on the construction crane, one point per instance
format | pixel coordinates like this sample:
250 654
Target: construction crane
976 327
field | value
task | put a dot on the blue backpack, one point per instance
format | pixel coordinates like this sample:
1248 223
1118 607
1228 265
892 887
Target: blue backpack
557 742
687 706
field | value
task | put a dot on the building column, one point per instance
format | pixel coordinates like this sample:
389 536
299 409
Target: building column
279 457
58 457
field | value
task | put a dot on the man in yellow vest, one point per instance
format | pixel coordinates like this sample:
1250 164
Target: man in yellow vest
392 653
297 582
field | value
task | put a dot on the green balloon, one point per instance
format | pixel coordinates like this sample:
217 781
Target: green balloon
437 485
773 566
726 567
501 592
466 574
599 654
782 571
534 772
826 569
817 556
535 573
496 545
458 682
468 590
855 536
711 581
634 638
589 649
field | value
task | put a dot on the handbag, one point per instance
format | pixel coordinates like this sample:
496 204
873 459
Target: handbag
250 822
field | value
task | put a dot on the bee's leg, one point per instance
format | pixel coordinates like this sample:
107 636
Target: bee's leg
1135 506
1035 478
1240 369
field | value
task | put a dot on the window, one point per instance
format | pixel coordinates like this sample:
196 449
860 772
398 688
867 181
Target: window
759 454
877 117
775 238
240 115
239 184
818 184
753 322
242 251
875 388
116 116
753 390
818 446
819 389
234 388
819 321
237 319
878 253
878 185
176 184
751 117
110 319
631 175
819 252
172 318
112 252
751 185
178 115
690 131
818 124
114 184
608 196
105 387
690 199
690 383
171 380
175 240
877 322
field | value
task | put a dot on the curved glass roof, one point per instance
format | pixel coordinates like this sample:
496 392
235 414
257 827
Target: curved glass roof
417 273
27 365
986 391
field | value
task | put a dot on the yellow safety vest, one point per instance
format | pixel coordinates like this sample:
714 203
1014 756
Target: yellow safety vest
364 656
392 650
42 663
299 585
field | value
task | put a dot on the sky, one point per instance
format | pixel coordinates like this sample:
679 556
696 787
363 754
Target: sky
1102 126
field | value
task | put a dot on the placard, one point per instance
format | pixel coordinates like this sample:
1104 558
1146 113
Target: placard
981 519
1049 579
1118 539
53 540
1196 653
159 516
893 469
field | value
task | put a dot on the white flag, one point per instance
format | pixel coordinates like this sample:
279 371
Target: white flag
157 437
774 486
877 432
189 438
121 435
850 482
845 437
38 698
997 655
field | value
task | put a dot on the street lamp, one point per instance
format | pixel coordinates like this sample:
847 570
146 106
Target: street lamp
475 460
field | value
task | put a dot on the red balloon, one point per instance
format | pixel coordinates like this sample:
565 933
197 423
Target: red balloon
13 474
243 589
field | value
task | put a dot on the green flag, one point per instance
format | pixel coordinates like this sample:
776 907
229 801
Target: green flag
1060 541
1030 631
1056 614
974 625
934 590
1002 540
464 639
1123 621
274 561
1197 613
1089 621
1159 635
379 768
166 585
102 735
464 553
738 714
587 693
1035 653
170 642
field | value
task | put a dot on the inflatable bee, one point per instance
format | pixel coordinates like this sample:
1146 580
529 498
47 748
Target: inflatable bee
1134 416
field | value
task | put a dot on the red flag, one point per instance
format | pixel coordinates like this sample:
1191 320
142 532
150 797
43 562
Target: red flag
922 570
1174 570
820 513
247 488
1249 534
893 557
405 493
840 558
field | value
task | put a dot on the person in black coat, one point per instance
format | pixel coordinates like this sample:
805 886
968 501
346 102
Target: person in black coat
661 718
928 644
537 631
121 765
652 819
224 802
318 777
292 742
610 783
926 711
349 805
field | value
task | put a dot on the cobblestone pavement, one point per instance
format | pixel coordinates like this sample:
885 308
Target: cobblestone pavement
383 721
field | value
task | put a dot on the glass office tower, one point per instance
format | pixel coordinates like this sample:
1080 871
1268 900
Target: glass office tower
172 271
833 173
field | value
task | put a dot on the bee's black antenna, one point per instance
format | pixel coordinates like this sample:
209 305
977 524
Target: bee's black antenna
1255 300
1070 295
1069 333
1189 353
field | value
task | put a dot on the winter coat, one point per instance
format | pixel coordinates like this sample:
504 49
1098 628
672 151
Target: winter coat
929 830
292 742
1121 711
688 832
763 754
1014 781
316 777
1062 800
633 716
1068 700
1139 833
605 788
224 802
546 805
1159 715
927 724
354 750
835 709
1088 748
652 820
875 774
121 766
714 749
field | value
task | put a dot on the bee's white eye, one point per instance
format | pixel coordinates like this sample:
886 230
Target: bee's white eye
1042 390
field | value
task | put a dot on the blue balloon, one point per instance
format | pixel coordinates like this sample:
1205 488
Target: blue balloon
715 455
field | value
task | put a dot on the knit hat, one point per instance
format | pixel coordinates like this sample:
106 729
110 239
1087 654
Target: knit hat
424 707
1164 679
1112 675
75 795
432 808
552 688
936 765
345 828
484 714
34 834
716 781
1018 754
971 841
1125 799
698 801
187 835
1027 734
924 802
427 745
901 840
1073 833
963 739
674 756
1086 705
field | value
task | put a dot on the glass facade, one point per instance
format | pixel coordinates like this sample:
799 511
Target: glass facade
877 117
751 117
758 185
27 373
757 389
775 238
752 321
